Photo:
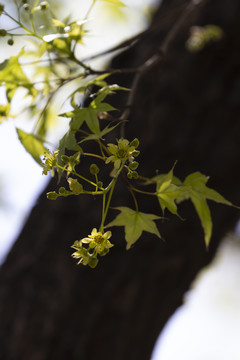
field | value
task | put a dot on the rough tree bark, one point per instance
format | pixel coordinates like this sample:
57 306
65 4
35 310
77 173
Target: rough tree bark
185 108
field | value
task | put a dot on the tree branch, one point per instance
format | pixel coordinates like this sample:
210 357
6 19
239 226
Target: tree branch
188 10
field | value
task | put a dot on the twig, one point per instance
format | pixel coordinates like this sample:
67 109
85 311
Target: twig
132 41
157 57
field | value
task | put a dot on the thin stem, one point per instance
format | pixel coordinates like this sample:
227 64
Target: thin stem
134 198
80 176
94 155
108 201
144 192
103 212
92 192
22 26
110 188
158 56
89 9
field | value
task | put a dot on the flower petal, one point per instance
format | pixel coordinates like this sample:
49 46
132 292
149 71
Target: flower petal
107 235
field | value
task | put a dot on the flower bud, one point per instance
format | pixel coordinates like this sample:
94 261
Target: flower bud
135 175
26 7
65 159
99 184
135 143
94 169
3 32
133 165
52 195
62 190
10 42
92 261
1 8
135 153
75 186
44 5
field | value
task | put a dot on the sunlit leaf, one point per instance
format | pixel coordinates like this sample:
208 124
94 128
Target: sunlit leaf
199 193
135 223
32 144
100 135
68 141
168 192
13 77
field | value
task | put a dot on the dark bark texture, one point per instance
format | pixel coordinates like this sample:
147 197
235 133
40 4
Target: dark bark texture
186 108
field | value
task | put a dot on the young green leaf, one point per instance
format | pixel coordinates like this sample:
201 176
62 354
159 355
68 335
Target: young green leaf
100 135
135 223
199 193
13 77
32 144
89 115
168 192
68 141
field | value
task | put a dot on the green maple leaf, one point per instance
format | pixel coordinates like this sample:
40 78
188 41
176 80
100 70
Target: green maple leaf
135 223
100 135
199 193
68 141
89 115
13 77
168 192
32 144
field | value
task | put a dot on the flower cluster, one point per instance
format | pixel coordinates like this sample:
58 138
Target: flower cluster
122 152
98 244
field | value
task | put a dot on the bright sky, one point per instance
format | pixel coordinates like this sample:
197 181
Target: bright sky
21 179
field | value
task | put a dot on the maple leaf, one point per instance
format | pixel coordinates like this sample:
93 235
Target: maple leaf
135 223
199 193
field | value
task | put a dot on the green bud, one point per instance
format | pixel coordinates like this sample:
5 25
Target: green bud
135 153
75 186
3 32
130 175
1 8
104 252
133 165
135 143
94 169
62 190
44 5
74 159
99 184
92 261
65 159
10 42
52 195
135 175
26 7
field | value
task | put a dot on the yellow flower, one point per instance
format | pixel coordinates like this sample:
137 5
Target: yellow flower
98 244
98 241
122 152
50 162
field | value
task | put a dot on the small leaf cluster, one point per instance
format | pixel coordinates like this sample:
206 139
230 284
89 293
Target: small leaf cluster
200 36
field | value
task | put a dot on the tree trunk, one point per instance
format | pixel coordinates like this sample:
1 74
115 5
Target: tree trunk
186 108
